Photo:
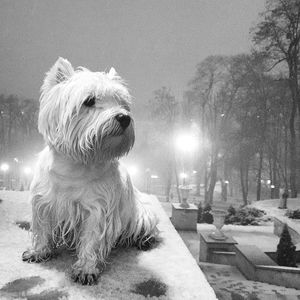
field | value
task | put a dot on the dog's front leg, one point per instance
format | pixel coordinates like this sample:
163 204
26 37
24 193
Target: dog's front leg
85 268
43 244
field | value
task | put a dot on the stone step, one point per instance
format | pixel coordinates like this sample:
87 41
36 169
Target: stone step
229 283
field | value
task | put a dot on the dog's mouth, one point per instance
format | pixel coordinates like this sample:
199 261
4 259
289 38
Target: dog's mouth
113 139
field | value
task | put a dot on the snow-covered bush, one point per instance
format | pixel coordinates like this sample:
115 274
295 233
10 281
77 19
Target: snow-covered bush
244 216
293 214
204 214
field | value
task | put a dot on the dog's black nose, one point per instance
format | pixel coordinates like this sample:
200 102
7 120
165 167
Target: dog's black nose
124 120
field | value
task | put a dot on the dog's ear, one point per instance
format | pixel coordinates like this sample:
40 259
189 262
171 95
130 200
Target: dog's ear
112 73
62 70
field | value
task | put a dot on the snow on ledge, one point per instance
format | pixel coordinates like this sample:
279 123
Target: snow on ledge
168 269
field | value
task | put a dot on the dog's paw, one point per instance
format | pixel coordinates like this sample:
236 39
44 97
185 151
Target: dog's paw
85 278
35 256
146 243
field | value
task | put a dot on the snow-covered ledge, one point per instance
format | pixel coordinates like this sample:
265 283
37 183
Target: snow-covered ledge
168 270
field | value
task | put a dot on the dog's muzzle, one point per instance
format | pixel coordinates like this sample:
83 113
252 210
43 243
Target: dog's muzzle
124 120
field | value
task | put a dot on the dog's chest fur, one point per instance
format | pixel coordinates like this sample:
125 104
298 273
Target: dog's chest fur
74 191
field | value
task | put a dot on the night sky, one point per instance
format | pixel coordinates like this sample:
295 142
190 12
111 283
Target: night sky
150 43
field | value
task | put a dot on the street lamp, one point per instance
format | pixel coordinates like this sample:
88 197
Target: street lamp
186 142
4 167
183 176
132 170
27 170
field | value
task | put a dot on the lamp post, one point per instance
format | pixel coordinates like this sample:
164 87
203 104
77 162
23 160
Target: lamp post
28 172
147 180
185 143
183 176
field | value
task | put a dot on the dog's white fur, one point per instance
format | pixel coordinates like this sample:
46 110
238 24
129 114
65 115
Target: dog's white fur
81 196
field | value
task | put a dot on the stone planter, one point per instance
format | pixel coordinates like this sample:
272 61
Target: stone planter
184 192
219 219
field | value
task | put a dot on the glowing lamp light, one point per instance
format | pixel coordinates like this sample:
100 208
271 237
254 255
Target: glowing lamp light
183 175
194 172
27 170
272 186
186 142
132 170
154 177
226 182
4 167
268 181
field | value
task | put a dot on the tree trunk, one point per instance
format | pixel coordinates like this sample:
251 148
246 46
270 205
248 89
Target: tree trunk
275 180
169 181
293 82
293 153
258 186
244 182
199 168
225 181
286 185
177 183
206 184
213 180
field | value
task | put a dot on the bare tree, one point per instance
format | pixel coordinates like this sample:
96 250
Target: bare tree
278 35
164 110
213 92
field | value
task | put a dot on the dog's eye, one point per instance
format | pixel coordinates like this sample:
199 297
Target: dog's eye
90 101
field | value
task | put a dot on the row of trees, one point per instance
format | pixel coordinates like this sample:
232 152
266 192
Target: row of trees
247 106
18 127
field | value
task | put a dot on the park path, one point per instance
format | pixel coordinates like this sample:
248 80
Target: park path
227 281
230 284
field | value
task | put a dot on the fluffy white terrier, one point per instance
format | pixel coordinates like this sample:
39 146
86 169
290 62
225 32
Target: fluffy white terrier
81 196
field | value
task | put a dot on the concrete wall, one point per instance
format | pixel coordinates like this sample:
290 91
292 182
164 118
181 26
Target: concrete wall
223 258
245 265
256 265
283 276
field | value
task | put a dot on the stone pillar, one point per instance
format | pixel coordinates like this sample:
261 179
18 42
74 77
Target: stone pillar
184 218
208 244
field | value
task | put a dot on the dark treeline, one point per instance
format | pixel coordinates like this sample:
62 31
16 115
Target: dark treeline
247 109
19 136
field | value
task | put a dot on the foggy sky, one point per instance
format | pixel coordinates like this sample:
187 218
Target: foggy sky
150 43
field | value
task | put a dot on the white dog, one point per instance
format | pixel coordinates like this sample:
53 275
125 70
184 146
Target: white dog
81 196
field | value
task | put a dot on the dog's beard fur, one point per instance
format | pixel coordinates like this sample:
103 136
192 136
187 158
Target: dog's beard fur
81 196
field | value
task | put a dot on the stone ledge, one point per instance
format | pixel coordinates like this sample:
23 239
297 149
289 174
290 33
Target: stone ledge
168 269
254 255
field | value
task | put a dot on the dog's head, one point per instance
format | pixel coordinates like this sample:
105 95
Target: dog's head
85 115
